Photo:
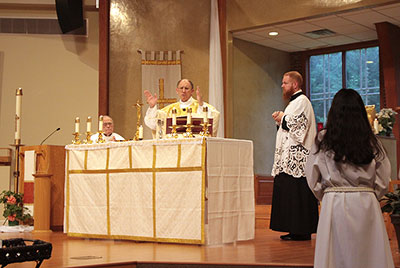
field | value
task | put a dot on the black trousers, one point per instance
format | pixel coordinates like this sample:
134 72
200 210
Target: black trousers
294 206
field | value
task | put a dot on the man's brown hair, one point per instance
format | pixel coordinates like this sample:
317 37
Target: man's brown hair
295 76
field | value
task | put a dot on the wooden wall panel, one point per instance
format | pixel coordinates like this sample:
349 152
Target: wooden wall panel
263 186
389 56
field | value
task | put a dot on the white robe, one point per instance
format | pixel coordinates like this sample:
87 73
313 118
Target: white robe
117 137
153 114
351 231
293 146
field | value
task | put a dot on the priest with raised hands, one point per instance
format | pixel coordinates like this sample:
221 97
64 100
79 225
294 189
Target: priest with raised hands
185 90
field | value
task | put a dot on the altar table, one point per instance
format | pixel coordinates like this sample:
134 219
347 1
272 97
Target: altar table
195 191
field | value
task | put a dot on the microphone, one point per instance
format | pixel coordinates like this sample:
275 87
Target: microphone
50 135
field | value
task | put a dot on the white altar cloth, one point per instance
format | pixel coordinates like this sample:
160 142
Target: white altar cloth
197 191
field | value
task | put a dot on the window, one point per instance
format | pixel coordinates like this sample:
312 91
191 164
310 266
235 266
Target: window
361 69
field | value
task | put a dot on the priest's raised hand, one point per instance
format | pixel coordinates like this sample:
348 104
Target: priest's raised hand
199 96
150 99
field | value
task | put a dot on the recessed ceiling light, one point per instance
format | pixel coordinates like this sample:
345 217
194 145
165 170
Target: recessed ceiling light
273 33
370 61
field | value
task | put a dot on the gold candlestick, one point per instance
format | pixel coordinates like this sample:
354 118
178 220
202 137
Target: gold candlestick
100 139
204 132
17 166
88 136
189 133
173 132
138 107
76 138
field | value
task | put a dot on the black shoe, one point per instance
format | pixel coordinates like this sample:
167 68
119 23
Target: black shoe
286 237
296 237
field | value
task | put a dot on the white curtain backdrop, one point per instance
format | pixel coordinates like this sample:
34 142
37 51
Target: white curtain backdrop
215 78
156 65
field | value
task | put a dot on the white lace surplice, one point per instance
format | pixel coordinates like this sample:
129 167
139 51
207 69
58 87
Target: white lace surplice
293 146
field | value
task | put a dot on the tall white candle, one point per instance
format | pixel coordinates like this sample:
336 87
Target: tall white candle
77 121
89 124
205 114
189 117
174 117
141 132
100 123
18 95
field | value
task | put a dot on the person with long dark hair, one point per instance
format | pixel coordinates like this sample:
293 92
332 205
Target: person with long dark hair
349 171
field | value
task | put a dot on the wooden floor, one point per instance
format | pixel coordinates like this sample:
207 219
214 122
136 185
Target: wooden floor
266 250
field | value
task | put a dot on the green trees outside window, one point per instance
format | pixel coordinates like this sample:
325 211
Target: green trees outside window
361 69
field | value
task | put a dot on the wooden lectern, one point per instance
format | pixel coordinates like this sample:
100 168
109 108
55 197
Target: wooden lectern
48 185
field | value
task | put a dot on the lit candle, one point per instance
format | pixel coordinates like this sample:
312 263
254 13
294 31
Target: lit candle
18 95
376 126
174 117
89 124
100 123
189 117
77 121
205 114
141 132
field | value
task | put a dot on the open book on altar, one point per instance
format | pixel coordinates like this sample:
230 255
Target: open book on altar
181 124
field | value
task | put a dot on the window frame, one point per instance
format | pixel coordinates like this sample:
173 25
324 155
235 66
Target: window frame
305 56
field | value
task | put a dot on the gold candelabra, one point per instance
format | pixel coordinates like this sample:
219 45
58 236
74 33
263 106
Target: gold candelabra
76 139
100 138
88 136
17 174
204 132
188 133
139 128
174 133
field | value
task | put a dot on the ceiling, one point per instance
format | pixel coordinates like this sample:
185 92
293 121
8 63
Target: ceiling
348 27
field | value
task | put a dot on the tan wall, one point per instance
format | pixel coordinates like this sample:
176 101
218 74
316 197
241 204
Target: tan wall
257 76
154 25
242 14
59 77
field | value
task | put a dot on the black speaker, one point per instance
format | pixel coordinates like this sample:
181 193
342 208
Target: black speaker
70 14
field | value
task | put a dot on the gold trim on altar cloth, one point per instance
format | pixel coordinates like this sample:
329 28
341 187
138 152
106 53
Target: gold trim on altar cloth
130 156
138 238
178 164
124 170
108 204
67 194
203 188
75 161
85 161
154 190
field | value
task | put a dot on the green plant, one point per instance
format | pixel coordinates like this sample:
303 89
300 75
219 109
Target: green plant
386 118
13 207
391 202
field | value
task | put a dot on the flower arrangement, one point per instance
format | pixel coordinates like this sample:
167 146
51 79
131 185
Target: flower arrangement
14 210
386 118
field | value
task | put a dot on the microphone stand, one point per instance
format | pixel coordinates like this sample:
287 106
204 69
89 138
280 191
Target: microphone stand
50 135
